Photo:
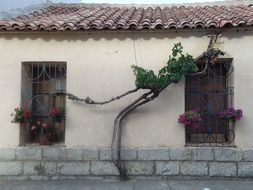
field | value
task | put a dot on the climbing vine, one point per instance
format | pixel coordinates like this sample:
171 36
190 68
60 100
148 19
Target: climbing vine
178 66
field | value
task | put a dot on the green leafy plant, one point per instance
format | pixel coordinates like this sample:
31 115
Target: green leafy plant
178 66
57 113
21 115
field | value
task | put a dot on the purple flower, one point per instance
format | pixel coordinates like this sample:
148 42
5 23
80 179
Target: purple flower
190 117
231 114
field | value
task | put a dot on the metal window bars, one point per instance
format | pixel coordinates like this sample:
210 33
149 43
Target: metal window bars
41 88
211 92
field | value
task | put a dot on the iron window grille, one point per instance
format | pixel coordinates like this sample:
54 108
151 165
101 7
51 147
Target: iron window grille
211 92
42 88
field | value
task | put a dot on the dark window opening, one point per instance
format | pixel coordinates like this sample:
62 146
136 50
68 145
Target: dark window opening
43 85
211 92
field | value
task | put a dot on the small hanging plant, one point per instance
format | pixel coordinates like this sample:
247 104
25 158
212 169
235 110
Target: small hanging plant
21 115
57 114
231 114
189 118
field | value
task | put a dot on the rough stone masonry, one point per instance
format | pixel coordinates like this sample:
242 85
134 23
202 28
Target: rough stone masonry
58 162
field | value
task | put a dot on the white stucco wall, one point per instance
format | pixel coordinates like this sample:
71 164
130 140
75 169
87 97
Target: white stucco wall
98 65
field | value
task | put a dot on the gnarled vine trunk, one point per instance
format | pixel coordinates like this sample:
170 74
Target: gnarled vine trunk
150 95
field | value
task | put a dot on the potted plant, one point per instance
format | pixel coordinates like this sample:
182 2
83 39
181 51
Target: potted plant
189 118
41 131
231 114
57 114
21 115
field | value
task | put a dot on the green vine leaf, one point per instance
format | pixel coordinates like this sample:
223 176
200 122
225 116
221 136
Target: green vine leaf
177 67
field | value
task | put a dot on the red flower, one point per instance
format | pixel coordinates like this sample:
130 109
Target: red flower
21 115
54 111
26 114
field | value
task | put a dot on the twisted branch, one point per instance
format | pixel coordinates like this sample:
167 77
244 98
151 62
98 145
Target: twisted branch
116 141
143 99
88 100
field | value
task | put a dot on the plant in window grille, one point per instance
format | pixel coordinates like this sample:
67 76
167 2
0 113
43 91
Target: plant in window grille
43 85
212 92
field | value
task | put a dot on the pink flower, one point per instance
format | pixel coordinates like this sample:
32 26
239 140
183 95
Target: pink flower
33 128
190 117
44 125
231 114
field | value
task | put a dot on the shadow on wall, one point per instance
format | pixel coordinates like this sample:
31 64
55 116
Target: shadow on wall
120 35
98 35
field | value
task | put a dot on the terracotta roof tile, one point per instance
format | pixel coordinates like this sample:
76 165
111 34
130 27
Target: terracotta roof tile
62 17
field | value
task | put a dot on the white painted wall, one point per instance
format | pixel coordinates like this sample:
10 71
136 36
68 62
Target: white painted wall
98 65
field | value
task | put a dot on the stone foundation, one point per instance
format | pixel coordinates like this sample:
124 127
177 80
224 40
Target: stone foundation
76 163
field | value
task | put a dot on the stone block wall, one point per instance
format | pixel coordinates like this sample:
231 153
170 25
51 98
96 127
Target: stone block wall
38 163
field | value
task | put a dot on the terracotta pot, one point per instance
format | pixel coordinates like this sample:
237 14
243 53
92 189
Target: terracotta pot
43 140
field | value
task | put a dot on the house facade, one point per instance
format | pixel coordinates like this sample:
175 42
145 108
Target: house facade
88 51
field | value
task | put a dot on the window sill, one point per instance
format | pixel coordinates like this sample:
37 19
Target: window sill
209 145
37 145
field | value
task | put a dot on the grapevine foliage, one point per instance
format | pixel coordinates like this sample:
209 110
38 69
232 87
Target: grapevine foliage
177 67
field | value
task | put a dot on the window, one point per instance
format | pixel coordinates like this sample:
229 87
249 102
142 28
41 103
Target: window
43 85
211 92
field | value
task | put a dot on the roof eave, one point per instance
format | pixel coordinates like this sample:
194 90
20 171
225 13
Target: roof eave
213 30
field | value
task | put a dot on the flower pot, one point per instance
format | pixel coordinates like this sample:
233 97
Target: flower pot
43 140
57 132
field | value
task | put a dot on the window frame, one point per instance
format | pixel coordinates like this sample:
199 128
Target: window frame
212 131
53 95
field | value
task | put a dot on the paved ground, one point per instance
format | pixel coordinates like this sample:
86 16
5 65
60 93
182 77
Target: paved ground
128 185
